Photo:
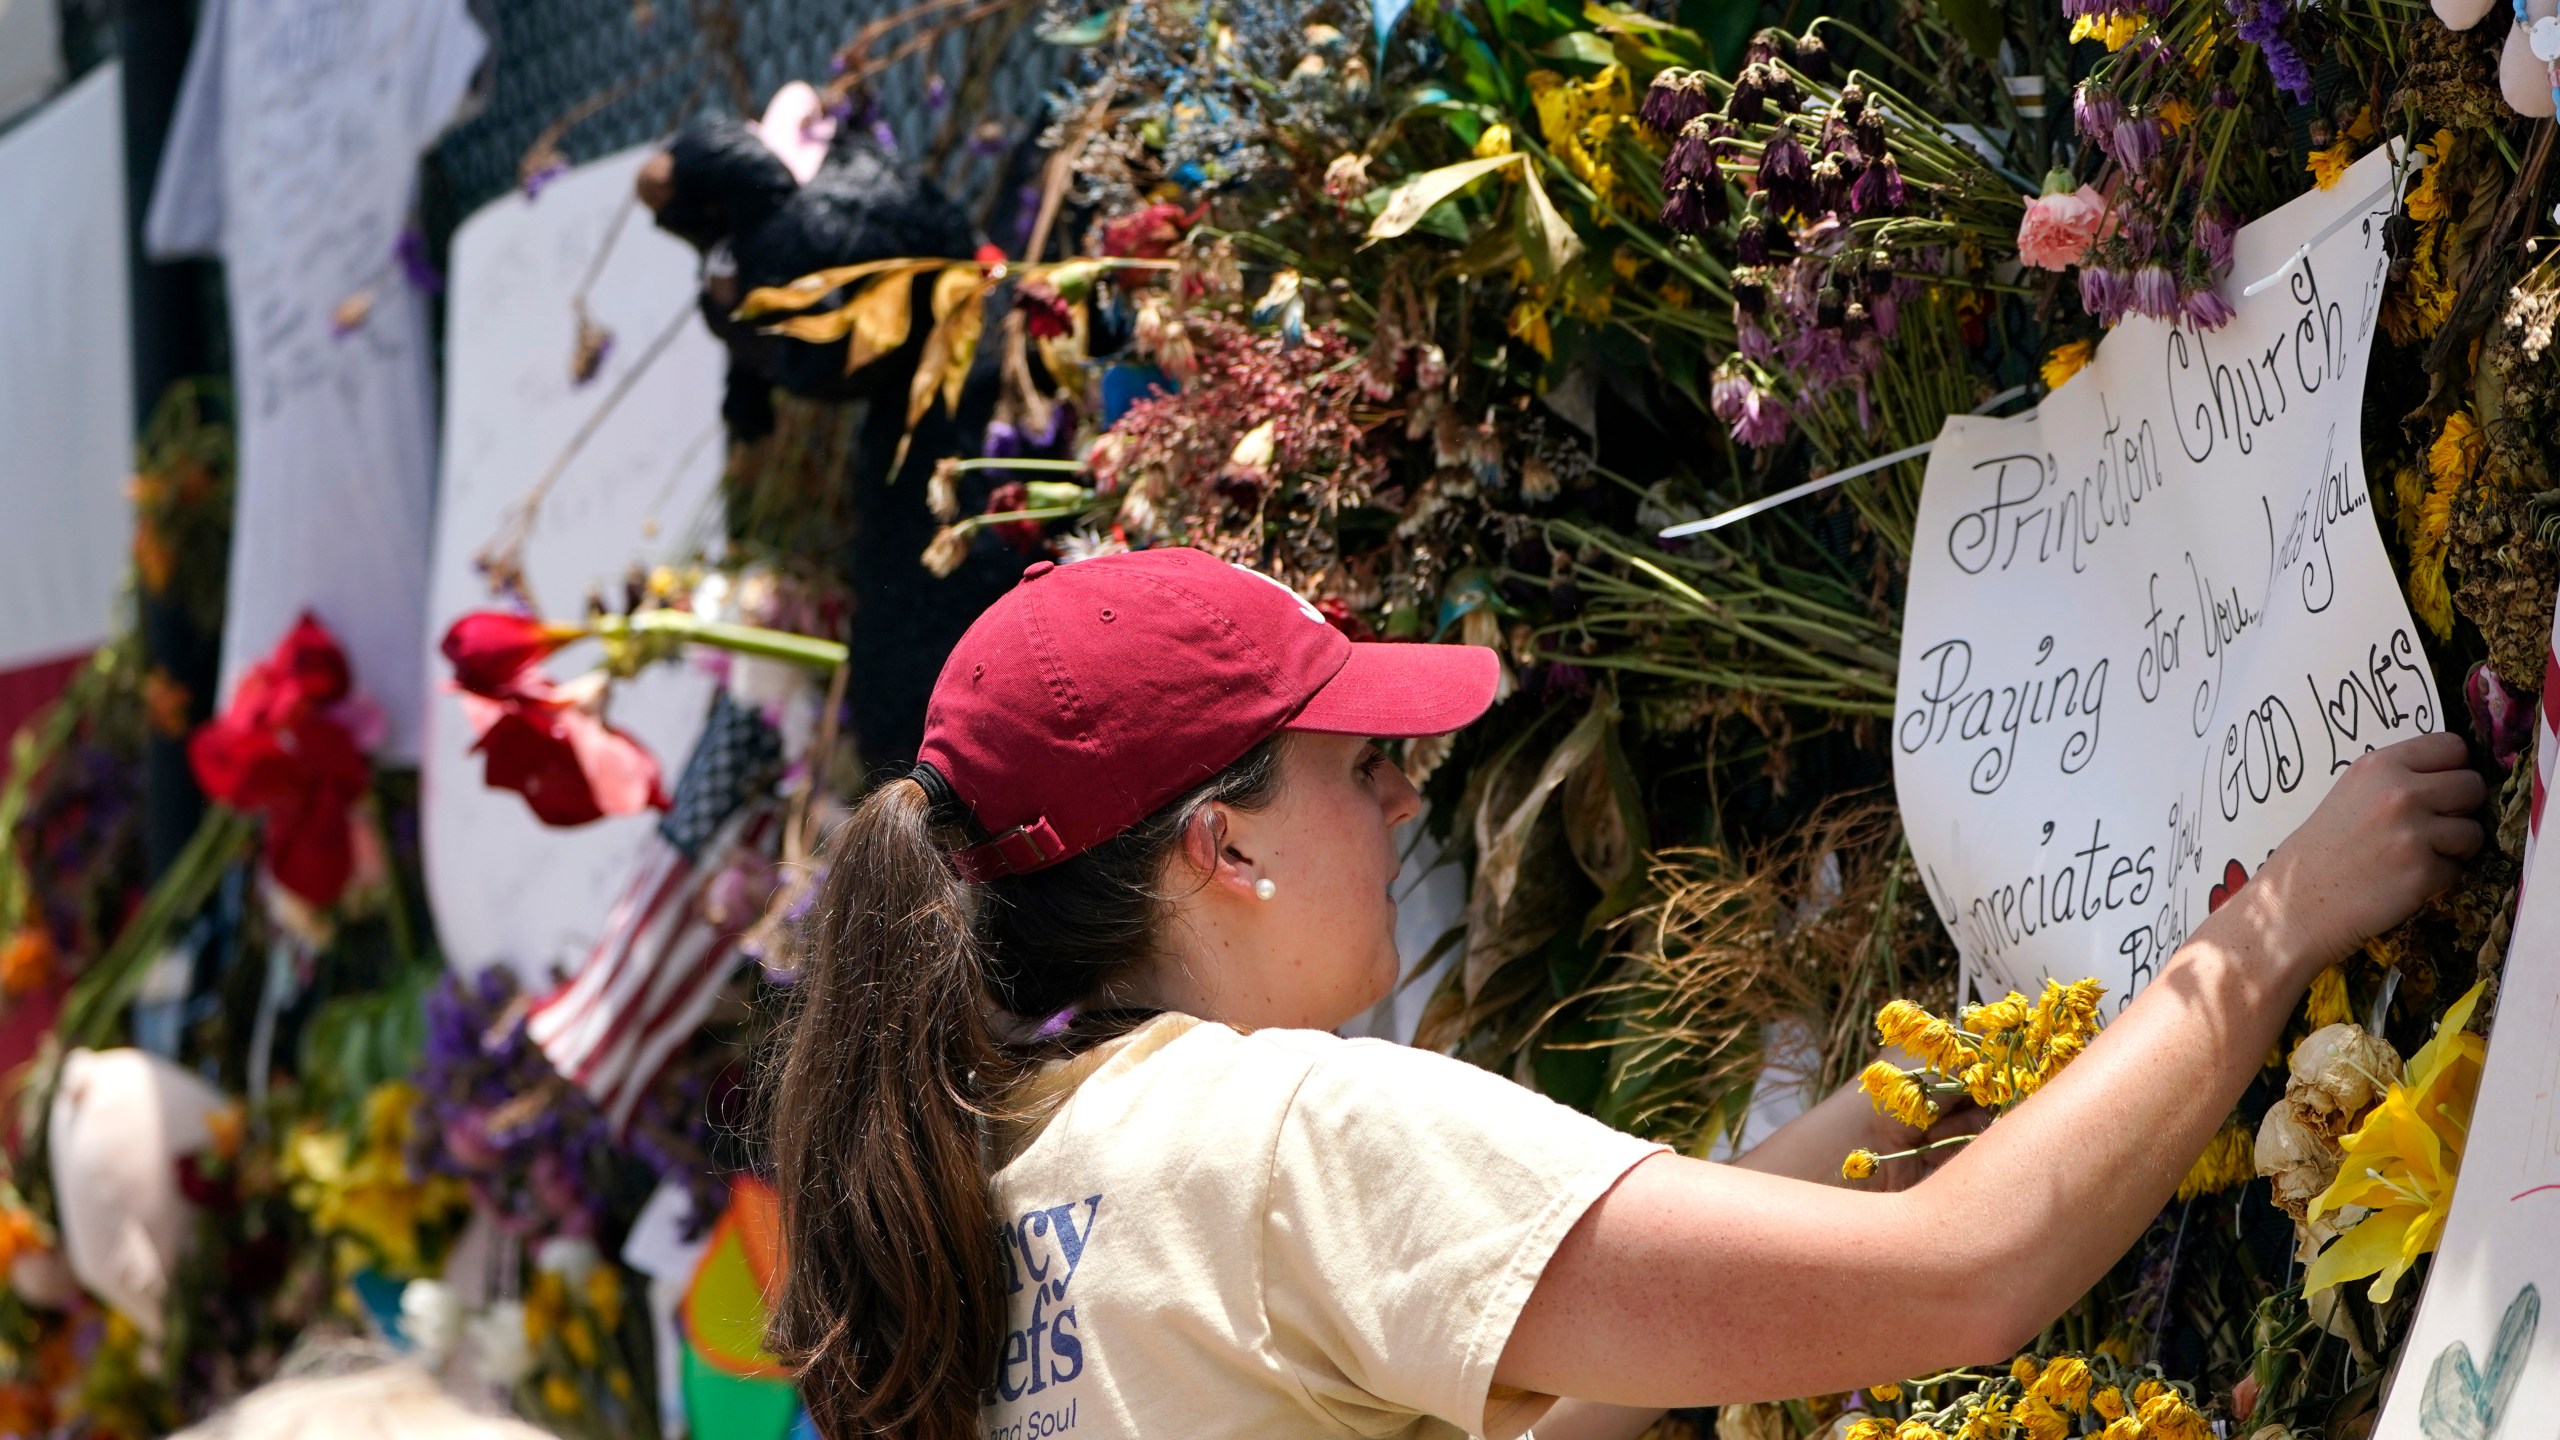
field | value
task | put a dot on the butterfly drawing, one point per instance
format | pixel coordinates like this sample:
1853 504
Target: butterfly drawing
2464 1400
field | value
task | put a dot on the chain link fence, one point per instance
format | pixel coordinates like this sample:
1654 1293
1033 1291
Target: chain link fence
609 74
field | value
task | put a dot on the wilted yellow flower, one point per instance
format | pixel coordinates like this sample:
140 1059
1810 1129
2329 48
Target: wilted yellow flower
2003 1015
2168 1416
1902 1025
2065 1383
2109 1403
2024 1370
1888 1392
2327 1003
2038 1417
2425 199
2123 1427
2148 1391
2068 359
1496 140
578 1337
604 1291
2114 31
1677 294
1916 1430
560 1395
2327 165
2229 1160
1988 1421
2175 113
1626 261
1529 323
1869 1428
1898 1095
1858 1165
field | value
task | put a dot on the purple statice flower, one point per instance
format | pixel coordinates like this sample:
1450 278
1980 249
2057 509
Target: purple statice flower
1879 191
2137 141
2095 111
1675 98
2261 23
2205 309
2104 293
1786 175
1764 420
2214 234
2155 292
936 94
883 136
410 249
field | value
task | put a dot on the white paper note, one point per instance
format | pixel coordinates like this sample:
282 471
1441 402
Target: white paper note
2148 623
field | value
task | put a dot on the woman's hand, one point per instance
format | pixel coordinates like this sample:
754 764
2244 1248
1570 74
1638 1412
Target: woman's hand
1691 1283
2391 832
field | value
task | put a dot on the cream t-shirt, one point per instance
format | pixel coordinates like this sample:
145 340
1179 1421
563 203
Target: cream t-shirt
1278 1234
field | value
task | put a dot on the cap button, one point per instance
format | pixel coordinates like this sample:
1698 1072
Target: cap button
1038 568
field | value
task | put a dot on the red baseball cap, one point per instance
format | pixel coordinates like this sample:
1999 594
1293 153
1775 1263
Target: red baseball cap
1094 693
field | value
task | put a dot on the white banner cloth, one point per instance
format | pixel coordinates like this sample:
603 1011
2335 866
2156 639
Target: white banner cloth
505 887
66 374
2149 622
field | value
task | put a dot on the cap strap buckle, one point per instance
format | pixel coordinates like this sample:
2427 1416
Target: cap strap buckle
1017 851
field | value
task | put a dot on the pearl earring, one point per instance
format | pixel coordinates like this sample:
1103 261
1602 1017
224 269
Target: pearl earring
1263 889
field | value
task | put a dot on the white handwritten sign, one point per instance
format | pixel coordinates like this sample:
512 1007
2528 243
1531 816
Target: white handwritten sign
2149 622
2480 1351
508 889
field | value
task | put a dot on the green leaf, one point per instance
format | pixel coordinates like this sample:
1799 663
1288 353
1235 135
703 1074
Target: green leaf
1410 201
1726 26
1977 23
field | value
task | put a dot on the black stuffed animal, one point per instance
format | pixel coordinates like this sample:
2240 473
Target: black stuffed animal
718 187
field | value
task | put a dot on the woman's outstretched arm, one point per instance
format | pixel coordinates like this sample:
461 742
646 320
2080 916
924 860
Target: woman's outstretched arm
1692 1283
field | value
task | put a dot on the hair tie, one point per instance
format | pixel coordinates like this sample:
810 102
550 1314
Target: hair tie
937 791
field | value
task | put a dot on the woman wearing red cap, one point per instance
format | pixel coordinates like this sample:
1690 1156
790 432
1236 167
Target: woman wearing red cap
1065 1150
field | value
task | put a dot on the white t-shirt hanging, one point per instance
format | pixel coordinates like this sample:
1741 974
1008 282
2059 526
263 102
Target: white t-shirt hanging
293 158
1213 1234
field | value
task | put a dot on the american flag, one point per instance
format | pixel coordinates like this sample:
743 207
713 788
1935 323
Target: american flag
654 976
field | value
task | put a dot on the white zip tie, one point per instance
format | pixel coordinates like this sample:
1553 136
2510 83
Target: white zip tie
2302 252
1825 482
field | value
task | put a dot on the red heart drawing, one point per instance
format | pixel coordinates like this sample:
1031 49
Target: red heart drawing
2234 875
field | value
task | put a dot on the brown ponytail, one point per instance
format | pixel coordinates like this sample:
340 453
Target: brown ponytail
893 1308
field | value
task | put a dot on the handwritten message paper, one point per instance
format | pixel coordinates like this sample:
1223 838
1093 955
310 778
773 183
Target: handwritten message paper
2149 622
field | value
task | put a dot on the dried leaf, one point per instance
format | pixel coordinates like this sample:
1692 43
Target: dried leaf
809 289
958 319
1415 198
1551 243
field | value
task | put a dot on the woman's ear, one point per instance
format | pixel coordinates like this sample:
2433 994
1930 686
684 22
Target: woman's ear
1212 854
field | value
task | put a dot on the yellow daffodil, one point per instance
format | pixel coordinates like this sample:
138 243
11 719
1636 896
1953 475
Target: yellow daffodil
2400 1164
2068 359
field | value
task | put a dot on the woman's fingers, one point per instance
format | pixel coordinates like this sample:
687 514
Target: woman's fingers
2455 836
2450 792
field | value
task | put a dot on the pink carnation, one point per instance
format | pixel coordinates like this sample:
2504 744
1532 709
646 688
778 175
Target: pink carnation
2058 228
